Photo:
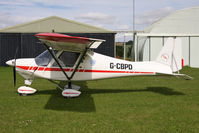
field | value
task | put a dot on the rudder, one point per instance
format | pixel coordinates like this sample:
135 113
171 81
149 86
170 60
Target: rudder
171 54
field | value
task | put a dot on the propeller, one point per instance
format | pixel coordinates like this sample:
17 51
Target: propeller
14 67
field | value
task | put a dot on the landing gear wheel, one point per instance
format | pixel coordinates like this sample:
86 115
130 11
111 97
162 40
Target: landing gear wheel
71 92
25 90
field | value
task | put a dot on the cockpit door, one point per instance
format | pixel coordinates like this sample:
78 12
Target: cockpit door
67 59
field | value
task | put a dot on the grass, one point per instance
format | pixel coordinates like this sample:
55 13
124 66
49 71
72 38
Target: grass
123 105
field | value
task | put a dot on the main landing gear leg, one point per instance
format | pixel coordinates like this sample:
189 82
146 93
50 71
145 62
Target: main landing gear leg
69 85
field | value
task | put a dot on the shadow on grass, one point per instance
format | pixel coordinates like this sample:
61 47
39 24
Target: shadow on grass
164 91
85 102
160 90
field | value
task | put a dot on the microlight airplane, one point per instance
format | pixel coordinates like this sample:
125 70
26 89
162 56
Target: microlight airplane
70 58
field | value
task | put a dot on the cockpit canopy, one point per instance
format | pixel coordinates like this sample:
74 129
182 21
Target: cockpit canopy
44 58
65 58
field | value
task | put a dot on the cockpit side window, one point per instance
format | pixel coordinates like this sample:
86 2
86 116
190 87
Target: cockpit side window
67 59
44 58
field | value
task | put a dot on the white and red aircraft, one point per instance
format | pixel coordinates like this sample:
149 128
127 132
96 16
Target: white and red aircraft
70 58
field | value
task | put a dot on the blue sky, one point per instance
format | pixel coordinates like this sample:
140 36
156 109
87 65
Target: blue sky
109 14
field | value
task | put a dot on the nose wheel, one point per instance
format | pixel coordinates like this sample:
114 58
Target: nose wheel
25 90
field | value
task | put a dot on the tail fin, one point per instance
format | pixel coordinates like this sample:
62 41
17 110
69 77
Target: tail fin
171 54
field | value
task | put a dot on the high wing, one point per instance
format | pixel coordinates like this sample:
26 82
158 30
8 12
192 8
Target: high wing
68 43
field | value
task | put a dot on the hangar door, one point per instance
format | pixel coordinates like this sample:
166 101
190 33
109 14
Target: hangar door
150 48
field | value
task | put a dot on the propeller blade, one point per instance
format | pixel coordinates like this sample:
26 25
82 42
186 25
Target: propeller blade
14 75
16 53
14 68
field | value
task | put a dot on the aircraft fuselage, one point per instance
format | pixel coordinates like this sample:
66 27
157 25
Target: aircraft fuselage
94 66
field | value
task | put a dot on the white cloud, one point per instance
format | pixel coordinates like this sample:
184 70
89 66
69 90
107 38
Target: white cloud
110 14
149 17
16 2
97 17
7 19
123 27
88 3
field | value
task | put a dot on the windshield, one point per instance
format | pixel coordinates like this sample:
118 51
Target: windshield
44 58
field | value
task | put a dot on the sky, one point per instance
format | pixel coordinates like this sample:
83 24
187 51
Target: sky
116 15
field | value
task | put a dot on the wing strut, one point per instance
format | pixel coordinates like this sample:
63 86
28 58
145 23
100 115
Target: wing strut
82 56
57 61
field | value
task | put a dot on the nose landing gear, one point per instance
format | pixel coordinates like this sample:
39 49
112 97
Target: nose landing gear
26 90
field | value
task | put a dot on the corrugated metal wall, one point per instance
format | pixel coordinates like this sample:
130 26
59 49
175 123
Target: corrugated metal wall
28 46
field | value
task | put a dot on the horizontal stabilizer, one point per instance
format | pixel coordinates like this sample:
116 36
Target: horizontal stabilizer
187 77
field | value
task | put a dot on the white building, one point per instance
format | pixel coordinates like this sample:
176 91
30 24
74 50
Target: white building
182 24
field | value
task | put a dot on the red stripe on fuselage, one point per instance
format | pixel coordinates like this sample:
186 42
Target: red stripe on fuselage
34 68
82 70
23 67
40 69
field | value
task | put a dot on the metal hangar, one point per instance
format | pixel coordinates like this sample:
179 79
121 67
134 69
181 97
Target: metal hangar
22 36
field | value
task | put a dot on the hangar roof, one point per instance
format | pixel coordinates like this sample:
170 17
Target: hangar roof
55 23
183 22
